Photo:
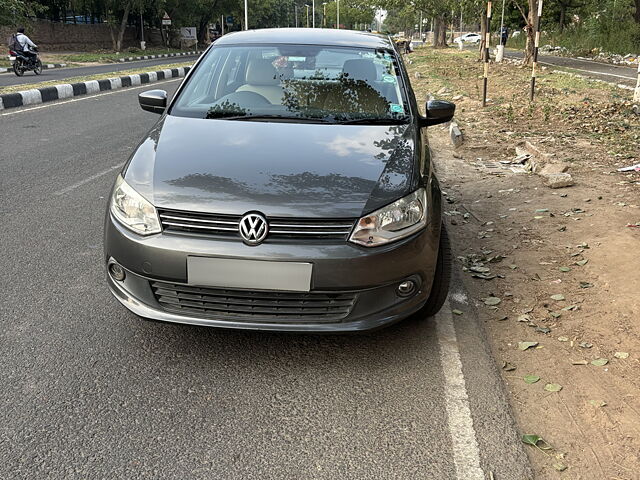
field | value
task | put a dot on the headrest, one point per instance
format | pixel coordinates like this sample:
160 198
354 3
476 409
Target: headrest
360 69
262 72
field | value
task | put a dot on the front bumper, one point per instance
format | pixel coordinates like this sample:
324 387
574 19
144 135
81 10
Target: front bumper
371 274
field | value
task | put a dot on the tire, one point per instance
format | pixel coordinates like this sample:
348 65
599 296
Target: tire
441 278
18 69
38 68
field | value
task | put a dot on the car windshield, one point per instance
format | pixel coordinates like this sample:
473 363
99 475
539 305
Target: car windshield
293 83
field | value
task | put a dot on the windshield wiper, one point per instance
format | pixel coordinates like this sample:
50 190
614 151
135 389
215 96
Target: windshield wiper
375 121
263 118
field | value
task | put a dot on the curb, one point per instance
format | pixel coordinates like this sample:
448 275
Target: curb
163 55
45 66
68 90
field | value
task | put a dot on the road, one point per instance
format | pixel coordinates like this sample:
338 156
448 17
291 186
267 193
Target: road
91 391
62 74
598 70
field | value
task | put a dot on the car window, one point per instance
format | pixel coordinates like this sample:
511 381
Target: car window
295 81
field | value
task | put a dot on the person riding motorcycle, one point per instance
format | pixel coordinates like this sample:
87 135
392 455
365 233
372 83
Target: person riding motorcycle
27 45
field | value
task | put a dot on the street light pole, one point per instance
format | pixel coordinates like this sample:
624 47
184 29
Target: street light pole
307 14
337 13
313 14
324 14
295 8
246 16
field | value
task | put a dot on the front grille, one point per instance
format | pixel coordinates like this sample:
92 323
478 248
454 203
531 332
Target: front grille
264 306
227 225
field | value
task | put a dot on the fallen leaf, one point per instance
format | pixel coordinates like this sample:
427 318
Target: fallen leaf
536 441
599 362
508 367
456 311
582 263
561 467
621 355
491 300
564 269
530 379
597 403
579 362
570 307
555 314
586 285
563 339
553 387
585 344
543 329
557 297
526 345
542 210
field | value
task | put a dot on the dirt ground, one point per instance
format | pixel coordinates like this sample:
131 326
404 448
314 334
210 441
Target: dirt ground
563 263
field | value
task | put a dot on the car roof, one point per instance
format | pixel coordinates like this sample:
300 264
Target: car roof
307 36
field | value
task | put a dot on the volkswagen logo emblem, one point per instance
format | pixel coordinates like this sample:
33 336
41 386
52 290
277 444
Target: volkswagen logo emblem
253 228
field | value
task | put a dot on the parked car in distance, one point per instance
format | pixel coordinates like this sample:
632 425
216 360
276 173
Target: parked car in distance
288 185
473 38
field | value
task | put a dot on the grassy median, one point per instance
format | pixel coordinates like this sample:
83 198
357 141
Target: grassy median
101 76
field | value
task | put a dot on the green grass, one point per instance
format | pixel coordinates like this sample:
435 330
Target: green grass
111 57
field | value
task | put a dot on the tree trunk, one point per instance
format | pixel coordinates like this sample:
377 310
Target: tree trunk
637 14
483 34
123 26
563 12
530 29
440 32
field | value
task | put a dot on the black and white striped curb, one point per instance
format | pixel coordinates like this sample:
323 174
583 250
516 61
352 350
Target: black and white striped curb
44 65
162 55
68 90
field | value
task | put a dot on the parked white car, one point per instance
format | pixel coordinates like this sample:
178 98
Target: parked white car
473 38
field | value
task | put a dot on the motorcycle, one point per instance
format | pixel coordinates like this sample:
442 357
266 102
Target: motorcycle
22 63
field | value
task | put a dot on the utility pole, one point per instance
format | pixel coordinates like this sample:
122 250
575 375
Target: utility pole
295 9
324 14
313 14
246 16
221 25
337 13
142 44
307 14
500 52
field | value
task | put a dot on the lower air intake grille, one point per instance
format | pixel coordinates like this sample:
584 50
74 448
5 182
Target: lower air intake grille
264 306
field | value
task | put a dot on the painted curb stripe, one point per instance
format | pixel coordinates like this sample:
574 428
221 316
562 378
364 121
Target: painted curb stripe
58 92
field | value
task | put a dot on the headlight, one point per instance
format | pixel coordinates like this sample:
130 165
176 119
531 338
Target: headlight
133 210
393 222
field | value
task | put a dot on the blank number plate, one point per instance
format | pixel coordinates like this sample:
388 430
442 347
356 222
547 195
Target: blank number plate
254 274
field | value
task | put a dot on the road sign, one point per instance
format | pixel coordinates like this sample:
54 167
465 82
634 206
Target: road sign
229 20
166 19
188 33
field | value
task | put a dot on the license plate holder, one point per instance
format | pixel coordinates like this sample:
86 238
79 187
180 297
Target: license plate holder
249 274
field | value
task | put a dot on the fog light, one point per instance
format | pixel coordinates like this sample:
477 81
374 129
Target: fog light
406 288
116 271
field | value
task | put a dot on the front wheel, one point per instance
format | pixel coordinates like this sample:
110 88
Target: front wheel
441 277
38 68
18 67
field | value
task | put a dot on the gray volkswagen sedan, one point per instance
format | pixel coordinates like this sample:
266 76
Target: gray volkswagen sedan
287 185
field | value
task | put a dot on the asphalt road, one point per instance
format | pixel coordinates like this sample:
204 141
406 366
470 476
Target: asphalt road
602 71
91 391
62 74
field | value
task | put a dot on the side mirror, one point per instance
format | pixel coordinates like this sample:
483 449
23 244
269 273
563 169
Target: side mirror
439 111
153 101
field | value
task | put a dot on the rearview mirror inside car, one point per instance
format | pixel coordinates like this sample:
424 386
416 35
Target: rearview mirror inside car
153 101
439 111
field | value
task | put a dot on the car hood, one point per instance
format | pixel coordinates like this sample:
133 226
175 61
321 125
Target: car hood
279 169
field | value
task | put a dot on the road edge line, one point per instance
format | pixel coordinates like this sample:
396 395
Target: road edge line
466 452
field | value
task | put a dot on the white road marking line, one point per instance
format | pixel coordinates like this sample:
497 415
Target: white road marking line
89 97
466 454
87 180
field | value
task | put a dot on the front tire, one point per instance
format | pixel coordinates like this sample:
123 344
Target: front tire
441 278
38 68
